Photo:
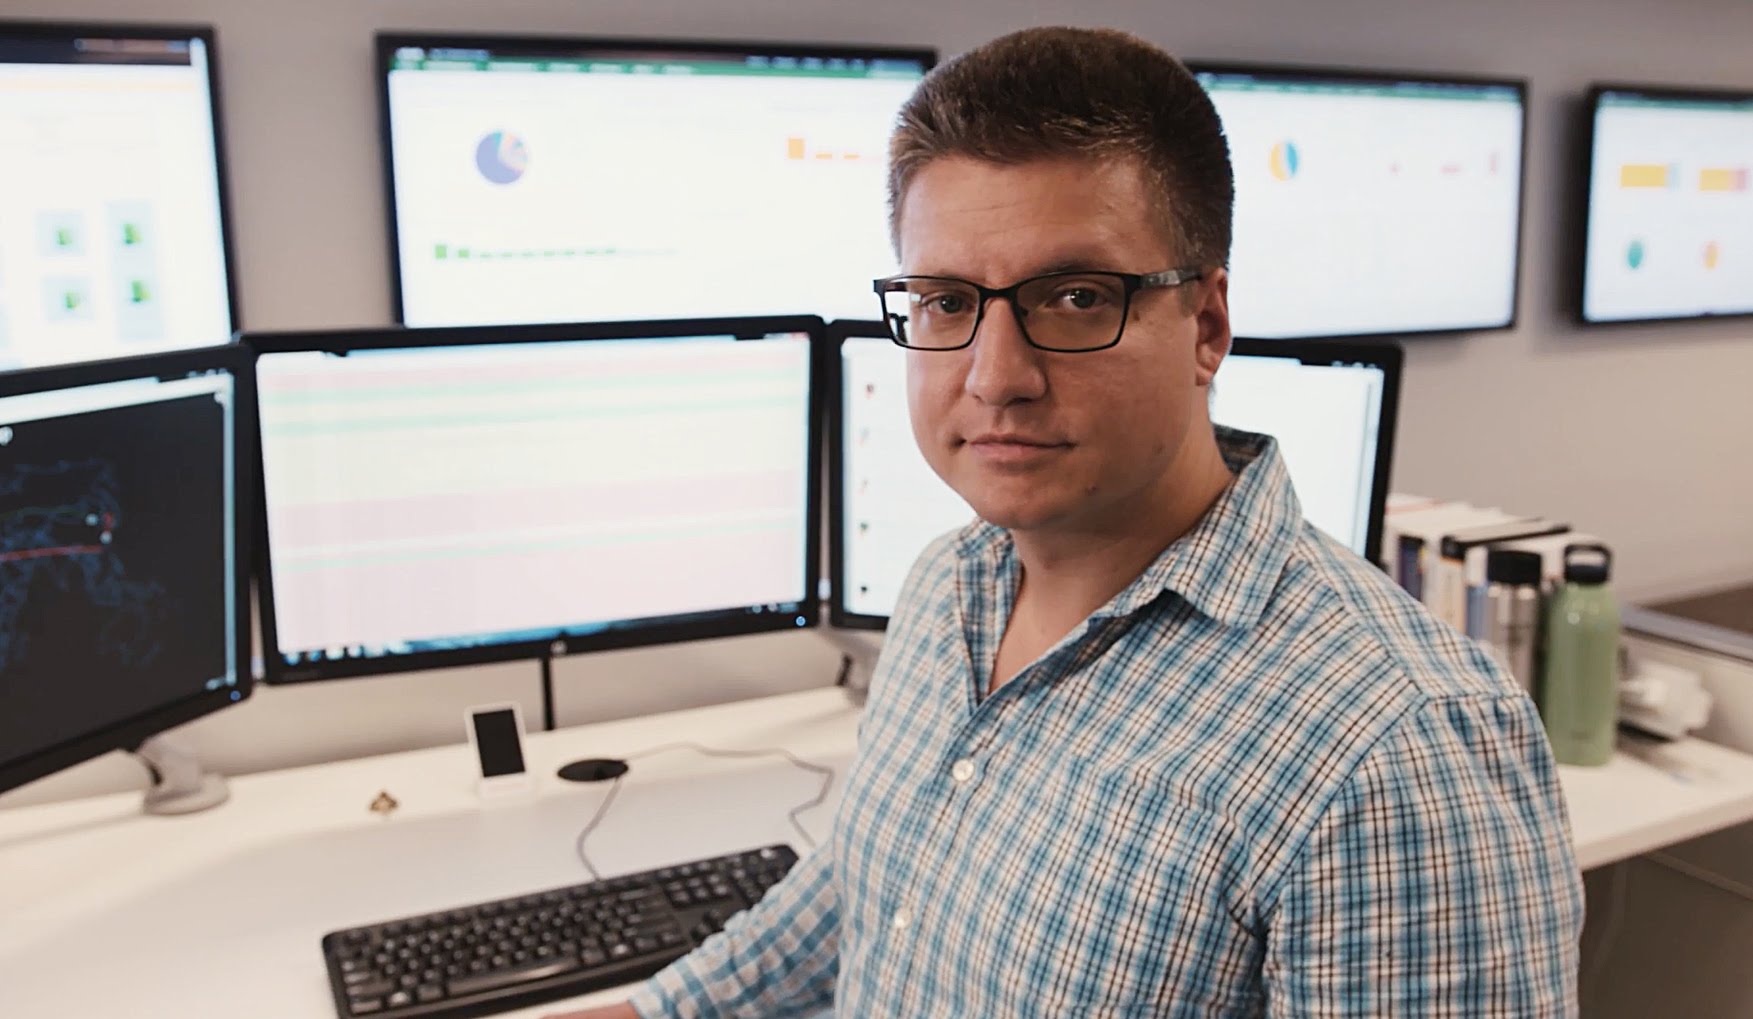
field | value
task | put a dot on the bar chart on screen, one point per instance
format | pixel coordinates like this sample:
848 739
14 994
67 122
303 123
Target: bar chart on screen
1670 222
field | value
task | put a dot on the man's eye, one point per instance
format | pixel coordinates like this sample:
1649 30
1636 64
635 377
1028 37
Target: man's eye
945 304
1079 299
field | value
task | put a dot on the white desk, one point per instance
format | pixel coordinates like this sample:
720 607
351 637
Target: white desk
107 912
1650 796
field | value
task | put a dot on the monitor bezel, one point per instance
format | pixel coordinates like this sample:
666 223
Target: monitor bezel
1381 352
388 42
129 733
209 36
1291 71
727 624
1585 197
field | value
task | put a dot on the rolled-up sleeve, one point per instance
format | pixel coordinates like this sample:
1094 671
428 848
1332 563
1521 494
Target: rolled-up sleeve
1440 880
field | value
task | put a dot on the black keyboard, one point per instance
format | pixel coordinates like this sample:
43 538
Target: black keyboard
522 951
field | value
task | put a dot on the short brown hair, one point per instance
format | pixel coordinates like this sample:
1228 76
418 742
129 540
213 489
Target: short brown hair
1046 93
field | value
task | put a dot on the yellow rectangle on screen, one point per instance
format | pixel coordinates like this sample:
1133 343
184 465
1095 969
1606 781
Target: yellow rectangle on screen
1643 175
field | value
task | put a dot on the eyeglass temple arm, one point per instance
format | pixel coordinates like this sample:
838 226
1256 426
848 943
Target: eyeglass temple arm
1169 278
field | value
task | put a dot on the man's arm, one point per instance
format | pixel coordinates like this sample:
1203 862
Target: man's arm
778 958
1439 882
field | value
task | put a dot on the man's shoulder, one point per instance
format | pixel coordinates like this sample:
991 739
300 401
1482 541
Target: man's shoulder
1364 685
1337 666
1361 607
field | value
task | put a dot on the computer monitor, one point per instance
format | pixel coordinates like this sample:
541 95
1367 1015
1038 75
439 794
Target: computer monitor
1332 407
1370 203
113 235
126 501
452 496
570 180
1669 189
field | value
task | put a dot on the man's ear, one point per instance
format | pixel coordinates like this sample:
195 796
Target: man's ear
1212 315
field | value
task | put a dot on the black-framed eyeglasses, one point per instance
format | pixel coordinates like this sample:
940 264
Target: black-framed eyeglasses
1067 312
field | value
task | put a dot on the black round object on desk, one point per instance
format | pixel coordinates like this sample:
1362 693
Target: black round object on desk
593 769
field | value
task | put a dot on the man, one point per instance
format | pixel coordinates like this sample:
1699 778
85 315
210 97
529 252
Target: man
1142 742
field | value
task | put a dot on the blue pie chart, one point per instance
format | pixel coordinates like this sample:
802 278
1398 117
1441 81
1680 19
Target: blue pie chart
501 157
1284 160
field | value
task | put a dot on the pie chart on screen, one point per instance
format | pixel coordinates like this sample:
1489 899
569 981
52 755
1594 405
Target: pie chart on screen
1284 160
501 157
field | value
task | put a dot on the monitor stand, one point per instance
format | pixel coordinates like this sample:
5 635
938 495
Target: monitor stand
179 786
590 769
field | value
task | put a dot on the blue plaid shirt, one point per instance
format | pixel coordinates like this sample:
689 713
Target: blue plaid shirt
1260 781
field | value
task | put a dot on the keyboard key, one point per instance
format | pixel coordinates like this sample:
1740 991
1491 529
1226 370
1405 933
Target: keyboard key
374 989
509 977
364 1006
428 993
399 999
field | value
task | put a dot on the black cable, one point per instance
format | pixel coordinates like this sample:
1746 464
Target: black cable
820 798
596 819
547 693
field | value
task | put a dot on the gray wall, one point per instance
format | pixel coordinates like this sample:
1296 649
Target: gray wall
1641 434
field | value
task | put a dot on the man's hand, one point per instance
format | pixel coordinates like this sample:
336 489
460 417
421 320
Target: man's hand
621 1011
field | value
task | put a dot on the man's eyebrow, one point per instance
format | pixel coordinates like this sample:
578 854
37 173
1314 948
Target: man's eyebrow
1077 263
1073 265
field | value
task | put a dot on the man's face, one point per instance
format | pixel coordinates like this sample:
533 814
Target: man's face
1041 441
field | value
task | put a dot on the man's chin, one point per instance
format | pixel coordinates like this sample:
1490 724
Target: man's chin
1015 514
1017 501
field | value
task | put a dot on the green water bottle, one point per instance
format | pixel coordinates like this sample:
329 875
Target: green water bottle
1579 698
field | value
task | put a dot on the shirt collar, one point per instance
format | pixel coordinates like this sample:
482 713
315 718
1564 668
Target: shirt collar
1228 565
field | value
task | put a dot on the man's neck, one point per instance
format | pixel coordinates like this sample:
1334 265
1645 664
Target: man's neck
1069 574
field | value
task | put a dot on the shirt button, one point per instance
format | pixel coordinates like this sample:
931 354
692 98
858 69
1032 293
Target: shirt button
962 771
901 919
